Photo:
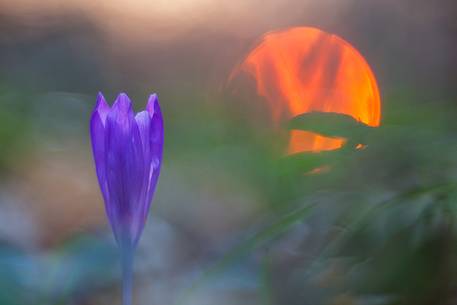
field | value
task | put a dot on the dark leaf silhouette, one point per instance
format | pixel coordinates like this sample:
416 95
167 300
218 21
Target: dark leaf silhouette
332 124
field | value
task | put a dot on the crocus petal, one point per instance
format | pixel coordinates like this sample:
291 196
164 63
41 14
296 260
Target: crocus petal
143 121
102 107
125 168
122 112
156 143
128 154
150 106
97 133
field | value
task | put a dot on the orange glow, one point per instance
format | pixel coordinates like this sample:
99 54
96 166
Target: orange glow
360 146
319 170
301 140
303 69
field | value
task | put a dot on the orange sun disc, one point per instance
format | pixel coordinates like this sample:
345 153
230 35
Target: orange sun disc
303 69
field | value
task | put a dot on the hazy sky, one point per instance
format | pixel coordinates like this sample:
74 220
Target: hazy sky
402 44
162 19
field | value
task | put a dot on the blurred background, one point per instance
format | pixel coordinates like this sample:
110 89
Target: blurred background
235 219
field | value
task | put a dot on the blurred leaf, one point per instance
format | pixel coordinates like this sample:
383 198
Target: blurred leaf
332 124
268 234
16 277
79 267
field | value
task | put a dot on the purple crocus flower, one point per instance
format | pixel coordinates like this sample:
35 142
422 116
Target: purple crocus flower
127 151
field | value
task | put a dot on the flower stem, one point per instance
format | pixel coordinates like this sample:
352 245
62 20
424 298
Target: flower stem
127 276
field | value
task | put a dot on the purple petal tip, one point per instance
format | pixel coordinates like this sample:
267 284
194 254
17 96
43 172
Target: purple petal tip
101 107
123 103
153 104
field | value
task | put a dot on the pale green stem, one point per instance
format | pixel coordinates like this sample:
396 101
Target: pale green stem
127 276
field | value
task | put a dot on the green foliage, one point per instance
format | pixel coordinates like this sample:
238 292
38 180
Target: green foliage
394 202
14 124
